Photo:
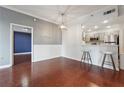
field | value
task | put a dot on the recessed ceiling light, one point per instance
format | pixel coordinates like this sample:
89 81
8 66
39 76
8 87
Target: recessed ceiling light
96 27
108 26
105 21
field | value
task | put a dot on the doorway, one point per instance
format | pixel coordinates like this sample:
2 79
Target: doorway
21 44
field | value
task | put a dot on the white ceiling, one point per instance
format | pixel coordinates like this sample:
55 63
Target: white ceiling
52 13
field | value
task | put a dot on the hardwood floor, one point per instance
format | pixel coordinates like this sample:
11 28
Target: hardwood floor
60 72
22 58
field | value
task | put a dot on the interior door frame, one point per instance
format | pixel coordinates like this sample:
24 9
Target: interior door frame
12 42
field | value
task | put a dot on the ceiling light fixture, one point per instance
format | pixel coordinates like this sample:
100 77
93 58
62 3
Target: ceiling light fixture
34 19
108 26
62 26
82 26
96 27
105 21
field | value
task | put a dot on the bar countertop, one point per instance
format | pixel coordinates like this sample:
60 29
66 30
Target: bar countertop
97 52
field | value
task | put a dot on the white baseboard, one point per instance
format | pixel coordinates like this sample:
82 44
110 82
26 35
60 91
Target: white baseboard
71 58
45 59
5 66
105 66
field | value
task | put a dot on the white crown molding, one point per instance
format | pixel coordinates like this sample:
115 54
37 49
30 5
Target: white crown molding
35 16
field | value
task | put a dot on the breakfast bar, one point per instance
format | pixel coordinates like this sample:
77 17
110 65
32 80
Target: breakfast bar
97 53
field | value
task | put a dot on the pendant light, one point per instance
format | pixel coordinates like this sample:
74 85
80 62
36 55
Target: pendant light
62 26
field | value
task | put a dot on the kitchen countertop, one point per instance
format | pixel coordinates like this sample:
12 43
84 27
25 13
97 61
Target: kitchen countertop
99 45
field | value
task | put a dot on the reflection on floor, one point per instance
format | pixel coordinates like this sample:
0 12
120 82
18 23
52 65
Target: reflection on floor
22 58
59 72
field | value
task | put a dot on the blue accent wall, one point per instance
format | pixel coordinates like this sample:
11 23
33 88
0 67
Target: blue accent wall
22 42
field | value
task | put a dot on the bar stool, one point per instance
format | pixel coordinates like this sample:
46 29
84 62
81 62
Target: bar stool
86 57
109 54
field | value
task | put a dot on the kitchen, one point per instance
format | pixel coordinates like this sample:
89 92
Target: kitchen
102 38
98 42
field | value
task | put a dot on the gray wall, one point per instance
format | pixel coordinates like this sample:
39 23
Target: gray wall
47 33
44 32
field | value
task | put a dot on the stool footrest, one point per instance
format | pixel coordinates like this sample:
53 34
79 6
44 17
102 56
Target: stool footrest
86 57
104 60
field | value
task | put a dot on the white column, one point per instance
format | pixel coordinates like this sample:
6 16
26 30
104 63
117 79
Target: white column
121 46
121 41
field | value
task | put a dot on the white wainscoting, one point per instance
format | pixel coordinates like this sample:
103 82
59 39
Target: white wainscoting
43 52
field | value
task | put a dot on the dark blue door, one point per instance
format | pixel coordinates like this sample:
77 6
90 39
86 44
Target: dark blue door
22 42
